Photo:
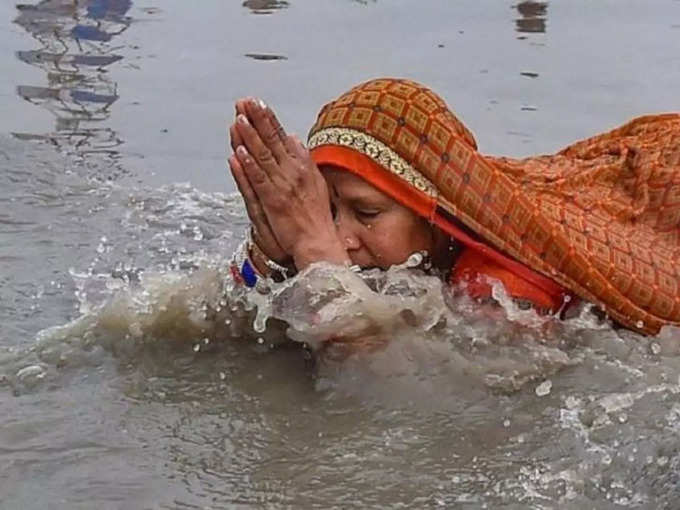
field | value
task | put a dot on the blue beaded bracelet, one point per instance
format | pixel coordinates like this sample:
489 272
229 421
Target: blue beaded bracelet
248 274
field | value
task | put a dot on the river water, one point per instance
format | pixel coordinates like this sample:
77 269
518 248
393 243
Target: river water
133 376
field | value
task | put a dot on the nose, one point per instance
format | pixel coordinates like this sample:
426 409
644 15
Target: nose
347 235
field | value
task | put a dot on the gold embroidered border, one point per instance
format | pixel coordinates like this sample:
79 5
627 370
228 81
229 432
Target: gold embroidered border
377 151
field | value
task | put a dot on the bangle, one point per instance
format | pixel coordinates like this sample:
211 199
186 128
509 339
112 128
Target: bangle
242 269
248 273
245 272
256 251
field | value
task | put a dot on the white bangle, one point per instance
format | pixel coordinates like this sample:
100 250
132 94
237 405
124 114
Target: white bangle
271 264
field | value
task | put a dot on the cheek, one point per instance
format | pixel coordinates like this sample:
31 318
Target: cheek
391 242
418 237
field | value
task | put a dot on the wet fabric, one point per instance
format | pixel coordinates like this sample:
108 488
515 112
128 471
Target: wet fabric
598 219
479 263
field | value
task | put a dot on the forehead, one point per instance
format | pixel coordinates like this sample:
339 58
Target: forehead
350 186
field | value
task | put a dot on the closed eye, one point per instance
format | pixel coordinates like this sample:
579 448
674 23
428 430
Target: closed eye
367 214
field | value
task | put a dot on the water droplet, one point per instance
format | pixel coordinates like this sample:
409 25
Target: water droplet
223 376
655 348
506 423
544 388
31 373
572 402
197 347
260 340
640 324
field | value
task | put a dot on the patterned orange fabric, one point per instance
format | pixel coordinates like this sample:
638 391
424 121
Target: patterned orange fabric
478 262
601 217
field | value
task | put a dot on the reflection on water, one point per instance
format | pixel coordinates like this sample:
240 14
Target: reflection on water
533 17
269 6
265 6
75 53
265 56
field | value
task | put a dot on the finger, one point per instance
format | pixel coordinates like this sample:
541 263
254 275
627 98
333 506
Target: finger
302 154
285 139
276 125
270 132
234 138
255 147
257 178
253 205
298 147
240 106
262 231
242 183
271 118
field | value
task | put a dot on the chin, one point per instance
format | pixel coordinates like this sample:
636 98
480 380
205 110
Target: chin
367 266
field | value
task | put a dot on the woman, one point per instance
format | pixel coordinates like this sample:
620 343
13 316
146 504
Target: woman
391 171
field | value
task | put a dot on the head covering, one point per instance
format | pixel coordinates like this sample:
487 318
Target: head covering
599 219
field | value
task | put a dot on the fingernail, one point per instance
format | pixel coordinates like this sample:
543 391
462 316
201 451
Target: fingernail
241 150
242 119
258 103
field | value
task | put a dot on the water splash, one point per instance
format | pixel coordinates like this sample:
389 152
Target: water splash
162 302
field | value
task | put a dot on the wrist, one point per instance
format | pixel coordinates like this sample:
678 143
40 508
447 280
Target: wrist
319 250
258 263
266 266
278 256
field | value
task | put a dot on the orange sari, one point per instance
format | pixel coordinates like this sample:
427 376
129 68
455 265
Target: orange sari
598 220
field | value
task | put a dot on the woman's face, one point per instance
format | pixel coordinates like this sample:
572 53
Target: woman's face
375 230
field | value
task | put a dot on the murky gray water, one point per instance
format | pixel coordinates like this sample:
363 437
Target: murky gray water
132 377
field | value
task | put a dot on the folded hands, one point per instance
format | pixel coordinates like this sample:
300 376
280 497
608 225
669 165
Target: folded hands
285 193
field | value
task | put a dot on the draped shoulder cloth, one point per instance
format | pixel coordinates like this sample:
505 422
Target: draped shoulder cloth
599 219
